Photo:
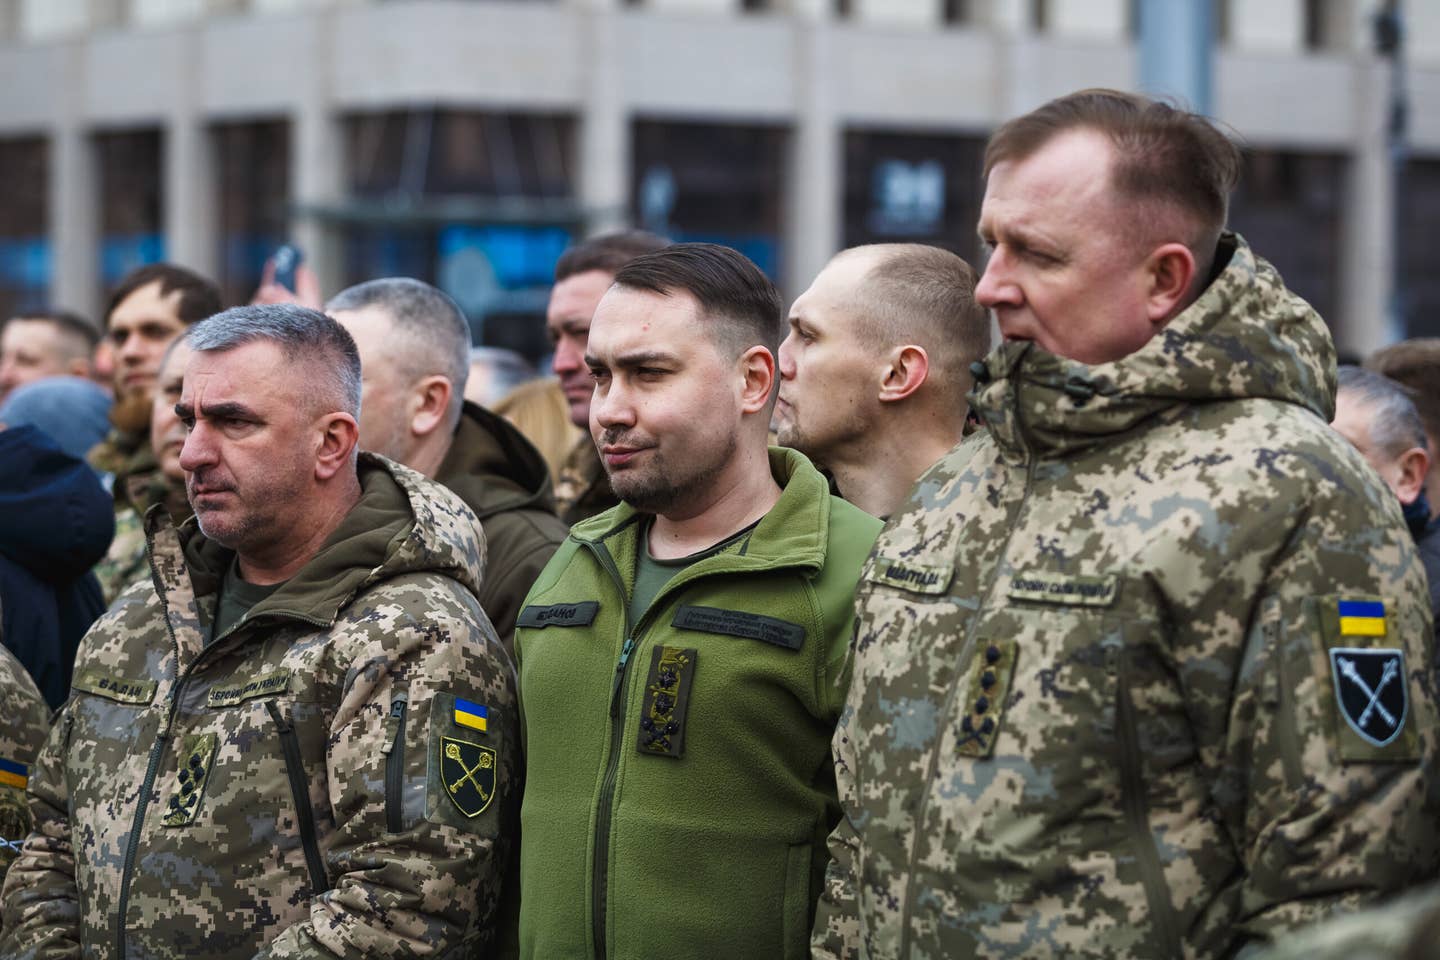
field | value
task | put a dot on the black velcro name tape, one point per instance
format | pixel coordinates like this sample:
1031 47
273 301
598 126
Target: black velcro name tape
738 623
559 615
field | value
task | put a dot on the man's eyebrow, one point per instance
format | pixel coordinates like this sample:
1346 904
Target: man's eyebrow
639 358
229 410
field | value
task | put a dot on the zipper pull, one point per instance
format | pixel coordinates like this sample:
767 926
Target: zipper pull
625 652
392 725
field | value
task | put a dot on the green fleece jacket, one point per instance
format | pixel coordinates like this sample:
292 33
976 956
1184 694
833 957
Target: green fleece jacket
679 785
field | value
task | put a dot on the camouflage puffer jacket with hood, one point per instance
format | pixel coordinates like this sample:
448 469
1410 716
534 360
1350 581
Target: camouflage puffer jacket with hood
1144 669
311 783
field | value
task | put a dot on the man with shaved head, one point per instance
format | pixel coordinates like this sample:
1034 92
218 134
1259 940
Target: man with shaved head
38 345
874 370
414 348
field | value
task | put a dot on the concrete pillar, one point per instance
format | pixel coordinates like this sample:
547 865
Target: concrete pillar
189 171
317 171
1367 237
812 228
603 138
74 196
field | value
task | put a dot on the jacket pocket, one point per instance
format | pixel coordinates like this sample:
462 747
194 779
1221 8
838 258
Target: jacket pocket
798 902
300 793
394 750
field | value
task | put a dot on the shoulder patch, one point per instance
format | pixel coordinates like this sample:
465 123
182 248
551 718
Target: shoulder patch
134 690
915 577
739 623
558 615
468 770
13 773
1370 680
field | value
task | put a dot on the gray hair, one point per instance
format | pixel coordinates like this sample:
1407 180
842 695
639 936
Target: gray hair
306 337
432 324
1394 422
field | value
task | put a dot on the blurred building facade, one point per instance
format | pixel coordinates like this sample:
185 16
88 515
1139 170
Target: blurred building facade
467 141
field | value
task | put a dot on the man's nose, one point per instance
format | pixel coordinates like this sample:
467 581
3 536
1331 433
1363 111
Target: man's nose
996 286
198 450
567 357
787 358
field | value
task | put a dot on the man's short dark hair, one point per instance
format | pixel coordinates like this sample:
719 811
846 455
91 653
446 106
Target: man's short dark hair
607 253
1414 364
69 323
435 327
199 298
1164 154
739 302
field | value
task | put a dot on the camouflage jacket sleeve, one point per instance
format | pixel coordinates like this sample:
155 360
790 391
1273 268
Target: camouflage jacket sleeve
1325 812
41 899
837 924
416 886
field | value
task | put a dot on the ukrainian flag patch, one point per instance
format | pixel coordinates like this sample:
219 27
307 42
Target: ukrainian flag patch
1361 618
13 774
476 716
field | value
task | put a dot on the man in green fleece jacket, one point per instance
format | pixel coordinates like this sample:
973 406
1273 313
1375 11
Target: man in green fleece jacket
685 655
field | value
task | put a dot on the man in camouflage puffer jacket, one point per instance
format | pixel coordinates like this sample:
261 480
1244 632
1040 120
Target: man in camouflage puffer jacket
1144 669
280 750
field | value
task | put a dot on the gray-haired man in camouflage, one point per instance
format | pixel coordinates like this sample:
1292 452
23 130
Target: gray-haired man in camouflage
1144 668
298 739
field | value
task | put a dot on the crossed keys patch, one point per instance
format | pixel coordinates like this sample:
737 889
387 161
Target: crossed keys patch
1371 689
468 770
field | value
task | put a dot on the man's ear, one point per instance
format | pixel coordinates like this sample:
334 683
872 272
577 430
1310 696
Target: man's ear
429 399
1170 269
339 435
1414 465
906 370
757 370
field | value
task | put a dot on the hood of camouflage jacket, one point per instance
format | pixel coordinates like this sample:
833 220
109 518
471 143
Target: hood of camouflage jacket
403 523
493 467
1246 336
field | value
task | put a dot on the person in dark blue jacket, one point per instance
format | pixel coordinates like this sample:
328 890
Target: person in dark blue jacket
56 521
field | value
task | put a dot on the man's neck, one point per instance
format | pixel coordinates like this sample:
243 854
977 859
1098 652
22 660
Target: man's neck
430 452
878 476
283 561
742 493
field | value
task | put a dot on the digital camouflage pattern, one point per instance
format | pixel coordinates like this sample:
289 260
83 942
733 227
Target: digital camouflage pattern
290 789
125 562
583 490
1405 929
26 721
1093 711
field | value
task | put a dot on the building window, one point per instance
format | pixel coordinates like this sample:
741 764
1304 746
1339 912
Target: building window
480 204
131 203
252 173
1288 206
25 251
913 188
711 182
1419 211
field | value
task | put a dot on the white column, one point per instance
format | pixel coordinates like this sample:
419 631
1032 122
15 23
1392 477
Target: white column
603 138
1367 240
812 230
317 172
74 197
189 171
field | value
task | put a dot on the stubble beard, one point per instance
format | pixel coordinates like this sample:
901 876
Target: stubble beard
658 489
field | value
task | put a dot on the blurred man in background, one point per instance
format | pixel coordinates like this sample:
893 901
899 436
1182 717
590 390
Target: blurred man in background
38 345
1415 365
582 275
874 371
1379 418
414 348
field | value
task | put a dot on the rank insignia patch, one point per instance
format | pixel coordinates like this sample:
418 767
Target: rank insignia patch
1371 690
468 770
667 697
197 754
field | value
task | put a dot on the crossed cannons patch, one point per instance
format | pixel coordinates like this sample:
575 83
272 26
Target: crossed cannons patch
1371 689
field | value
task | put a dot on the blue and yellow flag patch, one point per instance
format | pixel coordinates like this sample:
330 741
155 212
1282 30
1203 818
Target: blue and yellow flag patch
473 715
1361 618
13 774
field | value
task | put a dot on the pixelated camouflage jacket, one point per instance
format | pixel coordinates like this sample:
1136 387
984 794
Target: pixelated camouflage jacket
1407 928
321 780
24 722
1102 701
125 562
583 490
678 787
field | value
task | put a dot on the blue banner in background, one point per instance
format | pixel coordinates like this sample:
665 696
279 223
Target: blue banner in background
121 253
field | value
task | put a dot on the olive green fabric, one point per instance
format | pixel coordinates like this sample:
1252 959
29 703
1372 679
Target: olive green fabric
237 596
679 782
